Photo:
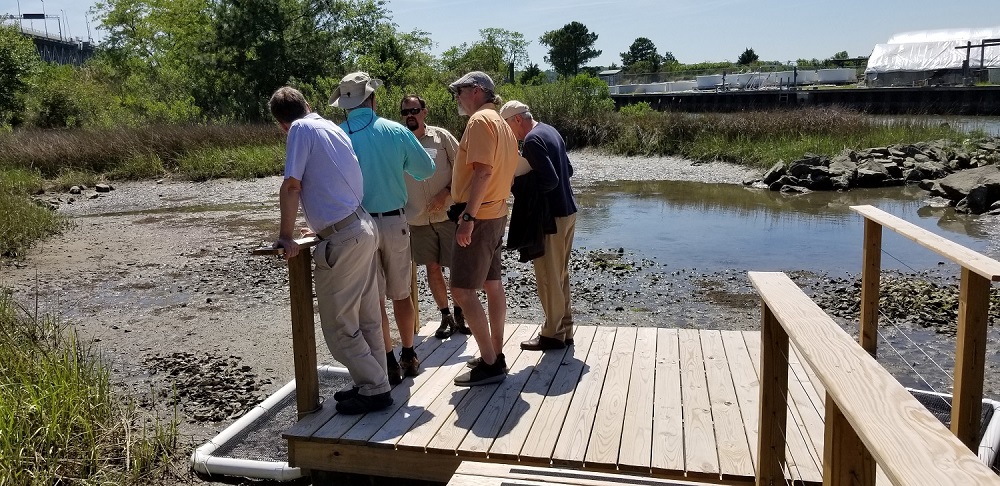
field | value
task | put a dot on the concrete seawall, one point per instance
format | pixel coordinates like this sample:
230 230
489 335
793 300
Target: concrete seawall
978 100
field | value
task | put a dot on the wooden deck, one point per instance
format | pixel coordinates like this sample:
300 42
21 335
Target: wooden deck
654 402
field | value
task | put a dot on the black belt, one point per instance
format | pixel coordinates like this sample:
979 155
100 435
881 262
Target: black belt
394 212
339 225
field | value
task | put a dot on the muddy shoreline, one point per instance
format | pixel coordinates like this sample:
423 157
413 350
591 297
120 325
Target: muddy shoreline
157 276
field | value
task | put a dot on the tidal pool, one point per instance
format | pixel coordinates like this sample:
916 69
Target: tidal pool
713 227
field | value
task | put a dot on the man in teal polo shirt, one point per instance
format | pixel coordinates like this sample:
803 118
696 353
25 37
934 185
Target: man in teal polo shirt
386 150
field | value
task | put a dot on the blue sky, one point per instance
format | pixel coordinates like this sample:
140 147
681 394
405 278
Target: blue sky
694 31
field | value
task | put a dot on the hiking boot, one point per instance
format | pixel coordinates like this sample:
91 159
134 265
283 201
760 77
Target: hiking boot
364 403
542 343
394 373
410 365
447 327
472 363
346 394
460 324
482 374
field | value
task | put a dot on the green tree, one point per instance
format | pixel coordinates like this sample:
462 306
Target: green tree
748 57
570 48
641 57
19 62
841 55
668 59
511 47
532 75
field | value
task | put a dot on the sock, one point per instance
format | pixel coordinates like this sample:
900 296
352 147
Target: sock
390 358
458 310
445 311
407 353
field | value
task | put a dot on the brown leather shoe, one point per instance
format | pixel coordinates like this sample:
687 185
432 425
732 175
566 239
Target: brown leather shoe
542 343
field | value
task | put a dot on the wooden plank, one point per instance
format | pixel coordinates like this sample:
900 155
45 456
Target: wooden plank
440 408
807 407
668 419
700 451
436 353
466 407
470 472
637 434
970 357
437 382
887 418
300 287
359 459
308 426
730 432
571 446
981 264
802 462
500 407
304 243
546 396
745 384
845 458
773 394
606 435
871 274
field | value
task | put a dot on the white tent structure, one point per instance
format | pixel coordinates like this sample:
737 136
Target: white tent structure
931 57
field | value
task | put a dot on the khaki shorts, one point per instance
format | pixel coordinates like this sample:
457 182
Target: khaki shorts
473 265
432 243
393 256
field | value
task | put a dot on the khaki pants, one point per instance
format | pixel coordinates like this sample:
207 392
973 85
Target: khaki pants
552 278
348 299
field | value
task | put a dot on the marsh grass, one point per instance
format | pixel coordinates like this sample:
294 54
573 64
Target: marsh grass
759 139
234 162
51 152
60 420
22 220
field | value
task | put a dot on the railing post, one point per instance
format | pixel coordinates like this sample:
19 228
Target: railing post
846 460
970 356
871 270
303 332
773 398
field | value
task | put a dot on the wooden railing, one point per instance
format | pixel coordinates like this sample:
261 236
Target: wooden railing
300 287
870 418
978 272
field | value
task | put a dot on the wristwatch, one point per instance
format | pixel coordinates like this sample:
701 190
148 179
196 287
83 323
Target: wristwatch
468 217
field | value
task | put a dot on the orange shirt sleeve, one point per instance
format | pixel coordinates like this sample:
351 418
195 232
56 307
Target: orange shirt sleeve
482 142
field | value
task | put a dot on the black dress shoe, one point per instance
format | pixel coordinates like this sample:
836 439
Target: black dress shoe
346 394
364 403
542 343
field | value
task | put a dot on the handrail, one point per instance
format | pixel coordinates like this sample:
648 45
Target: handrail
975 261
978 271
911 445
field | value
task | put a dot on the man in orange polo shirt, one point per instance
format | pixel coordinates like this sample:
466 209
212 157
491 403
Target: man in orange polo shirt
483 173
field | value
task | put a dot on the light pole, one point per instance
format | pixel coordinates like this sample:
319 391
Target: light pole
45 19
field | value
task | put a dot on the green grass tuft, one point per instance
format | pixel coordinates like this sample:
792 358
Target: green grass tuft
60 421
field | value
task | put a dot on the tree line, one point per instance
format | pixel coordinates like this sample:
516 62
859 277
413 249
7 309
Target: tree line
178 61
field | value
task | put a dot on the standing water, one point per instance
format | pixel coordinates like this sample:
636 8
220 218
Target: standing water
715 227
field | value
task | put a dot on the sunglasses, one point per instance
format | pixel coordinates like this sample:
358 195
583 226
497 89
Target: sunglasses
410 111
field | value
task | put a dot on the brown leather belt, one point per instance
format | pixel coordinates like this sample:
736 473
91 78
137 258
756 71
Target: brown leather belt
338 226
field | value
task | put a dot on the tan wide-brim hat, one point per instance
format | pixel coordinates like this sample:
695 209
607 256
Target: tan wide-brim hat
354 89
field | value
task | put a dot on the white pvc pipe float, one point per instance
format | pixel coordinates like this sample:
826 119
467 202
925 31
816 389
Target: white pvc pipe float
203 462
